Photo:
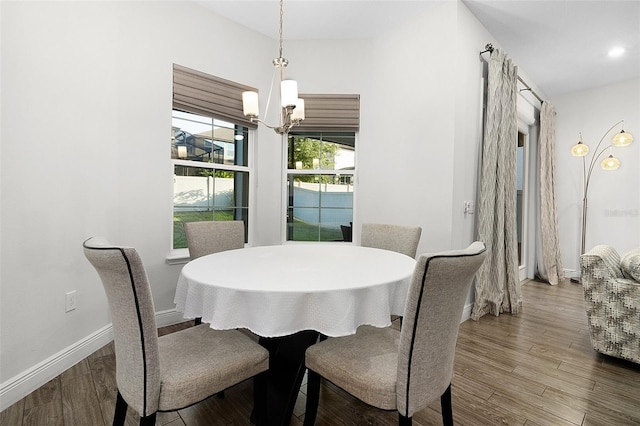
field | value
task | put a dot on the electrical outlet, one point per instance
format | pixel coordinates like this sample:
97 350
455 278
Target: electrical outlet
70 301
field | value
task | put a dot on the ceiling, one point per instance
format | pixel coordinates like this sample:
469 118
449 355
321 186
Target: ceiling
562 45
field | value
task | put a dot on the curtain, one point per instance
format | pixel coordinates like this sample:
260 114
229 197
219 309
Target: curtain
548 260
497 281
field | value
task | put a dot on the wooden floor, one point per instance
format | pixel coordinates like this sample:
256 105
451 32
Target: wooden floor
535 368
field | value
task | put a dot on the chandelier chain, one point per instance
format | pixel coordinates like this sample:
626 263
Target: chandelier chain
281 20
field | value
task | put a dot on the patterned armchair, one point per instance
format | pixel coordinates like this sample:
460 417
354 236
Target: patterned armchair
612 299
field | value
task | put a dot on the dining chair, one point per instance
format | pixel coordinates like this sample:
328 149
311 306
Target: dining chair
208 237
167 373
399 238
403 370
213 236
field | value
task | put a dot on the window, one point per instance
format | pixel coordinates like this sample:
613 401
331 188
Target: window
209 151
211 175
320 178
321 169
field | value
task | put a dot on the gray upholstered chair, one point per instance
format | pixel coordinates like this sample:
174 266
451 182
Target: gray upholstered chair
209 237
611 287
402 239
403 370
173 371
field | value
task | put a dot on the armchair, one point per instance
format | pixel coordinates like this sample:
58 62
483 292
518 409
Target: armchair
612 299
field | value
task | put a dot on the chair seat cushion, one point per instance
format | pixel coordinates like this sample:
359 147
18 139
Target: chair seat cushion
630 265
187 358
372 379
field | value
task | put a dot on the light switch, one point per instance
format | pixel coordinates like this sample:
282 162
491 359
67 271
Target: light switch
468 207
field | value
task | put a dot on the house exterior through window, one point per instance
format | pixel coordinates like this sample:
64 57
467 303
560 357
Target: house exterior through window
320 186
321 169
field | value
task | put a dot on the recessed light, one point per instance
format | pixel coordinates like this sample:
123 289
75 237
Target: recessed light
616 52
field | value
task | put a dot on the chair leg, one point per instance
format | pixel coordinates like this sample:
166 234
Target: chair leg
404 420
120 413
445 403
313 397
149 420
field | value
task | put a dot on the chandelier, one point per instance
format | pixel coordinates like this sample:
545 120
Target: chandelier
292 107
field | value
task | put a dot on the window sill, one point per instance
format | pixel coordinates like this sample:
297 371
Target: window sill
178 257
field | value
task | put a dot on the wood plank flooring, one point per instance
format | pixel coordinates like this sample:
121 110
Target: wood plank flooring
534 368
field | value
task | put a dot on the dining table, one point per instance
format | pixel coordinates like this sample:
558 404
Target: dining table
291 294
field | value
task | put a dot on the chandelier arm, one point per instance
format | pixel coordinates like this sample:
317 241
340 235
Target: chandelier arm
257 120
273 79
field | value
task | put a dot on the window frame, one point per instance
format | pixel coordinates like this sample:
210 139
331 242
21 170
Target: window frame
181 255
286 172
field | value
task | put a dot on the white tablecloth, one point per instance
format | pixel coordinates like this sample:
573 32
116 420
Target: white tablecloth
280 290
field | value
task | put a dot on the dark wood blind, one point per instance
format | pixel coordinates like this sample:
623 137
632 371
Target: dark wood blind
330 112
200 93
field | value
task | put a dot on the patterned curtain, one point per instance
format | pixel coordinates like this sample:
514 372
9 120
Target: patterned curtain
497 281
549 262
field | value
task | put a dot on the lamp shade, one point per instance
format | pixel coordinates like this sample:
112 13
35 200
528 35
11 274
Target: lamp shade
610 163
288 92
622 139
579 150
250 104
298 111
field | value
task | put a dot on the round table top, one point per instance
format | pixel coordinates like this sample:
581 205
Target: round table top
300 268
279 290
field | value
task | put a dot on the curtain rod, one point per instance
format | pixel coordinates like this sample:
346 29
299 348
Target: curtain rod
489 48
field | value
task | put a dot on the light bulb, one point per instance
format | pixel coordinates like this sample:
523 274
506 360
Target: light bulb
610 163
622 139
579 149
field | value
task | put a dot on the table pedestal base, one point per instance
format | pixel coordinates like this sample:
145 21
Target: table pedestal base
286 371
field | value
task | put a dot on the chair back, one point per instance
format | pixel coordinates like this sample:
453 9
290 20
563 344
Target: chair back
134 326
432 317
398 238
208 237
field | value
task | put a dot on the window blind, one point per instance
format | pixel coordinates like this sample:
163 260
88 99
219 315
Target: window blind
200 93
330 113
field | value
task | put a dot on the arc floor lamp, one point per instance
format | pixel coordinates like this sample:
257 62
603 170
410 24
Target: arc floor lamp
609 163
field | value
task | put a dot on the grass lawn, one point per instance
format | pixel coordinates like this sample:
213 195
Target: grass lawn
301 231
179 239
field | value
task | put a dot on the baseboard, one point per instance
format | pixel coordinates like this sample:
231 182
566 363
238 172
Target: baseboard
168 317
23 384
571 273
466 312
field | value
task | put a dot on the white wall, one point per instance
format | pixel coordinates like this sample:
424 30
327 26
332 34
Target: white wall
471 37
86 97
406 140
613 216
